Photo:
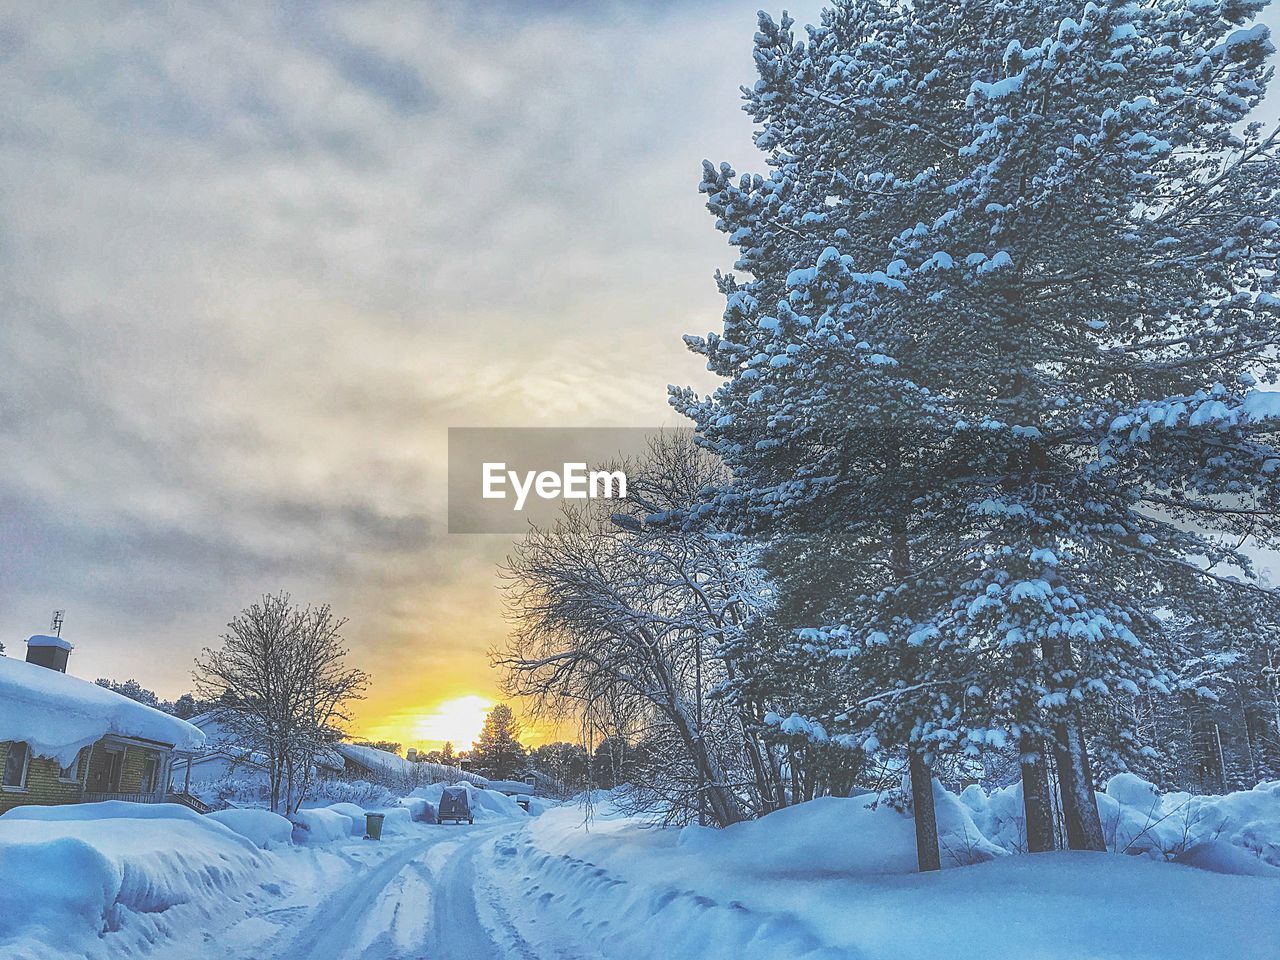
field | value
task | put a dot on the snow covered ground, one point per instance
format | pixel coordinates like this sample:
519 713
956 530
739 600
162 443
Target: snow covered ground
824 880
832 878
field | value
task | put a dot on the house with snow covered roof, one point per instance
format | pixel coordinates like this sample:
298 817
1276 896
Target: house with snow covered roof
225 756
66 740
379 766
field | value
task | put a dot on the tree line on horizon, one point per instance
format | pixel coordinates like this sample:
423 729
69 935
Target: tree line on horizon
498 753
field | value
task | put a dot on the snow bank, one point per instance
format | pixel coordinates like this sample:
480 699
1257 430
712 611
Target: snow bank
264 828
322 825
58 715
840 835
355 813
835 879
492 805
485 804
339 821
396 821
74 871
1219 856
421 809
1137 819
540 805
54 882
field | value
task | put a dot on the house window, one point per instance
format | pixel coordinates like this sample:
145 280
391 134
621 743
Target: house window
15 766
71 774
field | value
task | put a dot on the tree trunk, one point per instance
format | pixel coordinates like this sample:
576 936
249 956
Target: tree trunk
724 805
275 786
775 771
925 815
1035 799
768 800
795 773
1075 781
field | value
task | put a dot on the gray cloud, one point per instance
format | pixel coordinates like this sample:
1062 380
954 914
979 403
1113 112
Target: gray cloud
255 259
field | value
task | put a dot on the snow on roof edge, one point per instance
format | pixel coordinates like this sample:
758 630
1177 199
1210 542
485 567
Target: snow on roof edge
58 715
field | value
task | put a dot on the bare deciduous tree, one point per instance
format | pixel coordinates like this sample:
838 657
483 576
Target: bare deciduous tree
620 616
282 688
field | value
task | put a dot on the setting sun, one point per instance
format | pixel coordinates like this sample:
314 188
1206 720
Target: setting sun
458 720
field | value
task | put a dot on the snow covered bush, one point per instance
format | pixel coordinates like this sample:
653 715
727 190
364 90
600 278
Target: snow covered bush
362 793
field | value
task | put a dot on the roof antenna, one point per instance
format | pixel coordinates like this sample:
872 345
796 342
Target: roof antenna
56 625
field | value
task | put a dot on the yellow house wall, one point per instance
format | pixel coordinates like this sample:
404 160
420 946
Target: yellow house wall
43 783
45 787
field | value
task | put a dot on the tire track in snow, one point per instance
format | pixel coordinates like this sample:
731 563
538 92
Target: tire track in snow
339 927
337 920
456 932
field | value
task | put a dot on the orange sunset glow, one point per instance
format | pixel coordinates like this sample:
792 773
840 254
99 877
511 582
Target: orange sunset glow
458 720
453 719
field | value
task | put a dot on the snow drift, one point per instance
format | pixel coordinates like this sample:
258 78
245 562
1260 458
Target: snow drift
840 835
1137 819
322 825
264 828
76 870
835 878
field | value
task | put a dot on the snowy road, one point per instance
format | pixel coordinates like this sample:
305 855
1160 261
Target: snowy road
408 899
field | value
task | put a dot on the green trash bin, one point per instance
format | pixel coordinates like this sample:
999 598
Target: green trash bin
373 826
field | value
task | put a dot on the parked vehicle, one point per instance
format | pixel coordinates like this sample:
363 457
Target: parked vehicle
455 805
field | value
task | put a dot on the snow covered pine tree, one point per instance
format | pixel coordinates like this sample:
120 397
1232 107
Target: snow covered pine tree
1010 300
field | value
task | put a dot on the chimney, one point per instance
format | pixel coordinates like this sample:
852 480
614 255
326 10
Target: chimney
46 651
413 754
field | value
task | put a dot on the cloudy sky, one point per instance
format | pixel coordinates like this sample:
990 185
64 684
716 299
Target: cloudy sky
255 260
